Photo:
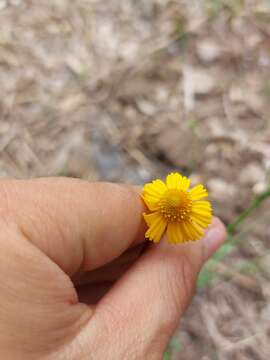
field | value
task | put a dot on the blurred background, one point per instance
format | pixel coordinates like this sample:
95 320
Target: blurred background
128 90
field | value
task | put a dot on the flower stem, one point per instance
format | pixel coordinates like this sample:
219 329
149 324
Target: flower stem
208 274
232 227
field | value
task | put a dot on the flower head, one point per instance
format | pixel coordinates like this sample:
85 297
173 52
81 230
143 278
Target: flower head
176 209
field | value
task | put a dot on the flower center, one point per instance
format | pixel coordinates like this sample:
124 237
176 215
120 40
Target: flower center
175 205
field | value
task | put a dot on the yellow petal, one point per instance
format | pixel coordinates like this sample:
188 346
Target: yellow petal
202 213
185 184
194 231
150 218
188 232
202 207
207 213
185 235
156 229
152 193
177 181
203 221
202 204
198 192
152 205
155 189
174 233
171 236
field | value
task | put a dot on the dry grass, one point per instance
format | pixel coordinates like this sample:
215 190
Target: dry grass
127 90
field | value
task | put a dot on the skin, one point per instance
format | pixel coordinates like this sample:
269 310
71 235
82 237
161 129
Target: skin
77 279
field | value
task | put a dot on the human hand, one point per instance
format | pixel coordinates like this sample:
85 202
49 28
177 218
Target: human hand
63 244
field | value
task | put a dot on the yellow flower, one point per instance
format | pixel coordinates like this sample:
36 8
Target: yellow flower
176 208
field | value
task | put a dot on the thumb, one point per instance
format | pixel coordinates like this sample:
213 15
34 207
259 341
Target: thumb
144 308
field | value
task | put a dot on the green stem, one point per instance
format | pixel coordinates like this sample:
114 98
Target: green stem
207 275
232 227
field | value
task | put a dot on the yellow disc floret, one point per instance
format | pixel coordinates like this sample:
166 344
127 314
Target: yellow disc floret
175 205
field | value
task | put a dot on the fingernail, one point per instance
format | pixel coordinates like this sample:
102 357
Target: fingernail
213 239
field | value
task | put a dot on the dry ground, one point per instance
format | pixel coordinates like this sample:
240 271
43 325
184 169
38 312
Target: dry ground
126 90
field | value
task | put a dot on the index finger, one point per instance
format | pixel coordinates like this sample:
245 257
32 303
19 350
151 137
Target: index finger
78 224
